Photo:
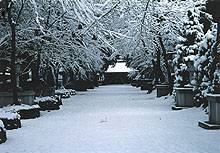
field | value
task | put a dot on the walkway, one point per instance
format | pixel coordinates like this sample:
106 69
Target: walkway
114 119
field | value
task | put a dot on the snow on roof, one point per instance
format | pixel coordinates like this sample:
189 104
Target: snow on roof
119 67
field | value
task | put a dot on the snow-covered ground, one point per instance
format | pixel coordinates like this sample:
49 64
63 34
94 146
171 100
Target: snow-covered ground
114 119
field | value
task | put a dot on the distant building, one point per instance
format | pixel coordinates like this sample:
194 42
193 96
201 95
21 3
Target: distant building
117 74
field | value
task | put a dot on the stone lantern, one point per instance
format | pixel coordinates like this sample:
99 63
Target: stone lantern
61 76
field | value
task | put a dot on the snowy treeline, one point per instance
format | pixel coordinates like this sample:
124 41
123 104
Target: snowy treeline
60 32
85 36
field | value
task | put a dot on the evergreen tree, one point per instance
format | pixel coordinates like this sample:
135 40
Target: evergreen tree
187 48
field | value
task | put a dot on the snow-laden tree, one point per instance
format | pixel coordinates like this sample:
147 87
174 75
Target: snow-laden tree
84 36
203 63
187 47
155 33
198 48
53 34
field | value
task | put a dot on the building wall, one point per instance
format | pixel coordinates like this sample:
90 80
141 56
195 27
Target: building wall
116 78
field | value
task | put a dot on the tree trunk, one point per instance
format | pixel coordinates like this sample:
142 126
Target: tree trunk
36 73
155 71
159 72
13 65
13 55
166 65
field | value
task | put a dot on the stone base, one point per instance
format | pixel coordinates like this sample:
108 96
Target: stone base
214 108
3 137
162 90
178 107
133 83
147 87
49 91
138 84
90 85
80 85
49 106
185 97
26 97
30 113
11 124
208 126
80 88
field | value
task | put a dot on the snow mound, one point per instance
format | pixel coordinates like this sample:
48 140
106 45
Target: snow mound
1 124
44 99
65 91
9 115
16 108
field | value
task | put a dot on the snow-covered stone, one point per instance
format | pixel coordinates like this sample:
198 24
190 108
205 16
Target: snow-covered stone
16 108
9 115
44 99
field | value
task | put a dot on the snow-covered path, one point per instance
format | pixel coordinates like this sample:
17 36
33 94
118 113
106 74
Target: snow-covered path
114 119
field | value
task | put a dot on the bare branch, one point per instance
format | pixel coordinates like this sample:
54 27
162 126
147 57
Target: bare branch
19 13
56 20
94 22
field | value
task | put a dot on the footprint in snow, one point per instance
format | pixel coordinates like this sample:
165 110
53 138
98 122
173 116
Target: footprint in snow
104 120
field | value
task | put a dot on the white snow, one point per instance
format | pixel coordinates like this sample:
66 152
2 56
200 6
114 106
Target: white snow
44 99
213 95
16 108
189 58
114 119
1 124
119 67
65 91
9 115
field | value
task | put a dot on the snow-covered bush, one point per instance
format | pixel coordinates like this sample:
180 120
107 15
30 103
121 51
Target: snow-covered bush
163 19
48 103
203 64
10 119
17 108
187 46
216 80
199 41
44 99
8 114
65 93
56 34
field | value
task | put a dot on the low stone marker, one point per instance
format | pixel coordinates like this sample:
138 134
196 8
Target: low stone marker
214 113
10 120
162 90
48 103
24 111
146 84
184 98
26 97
